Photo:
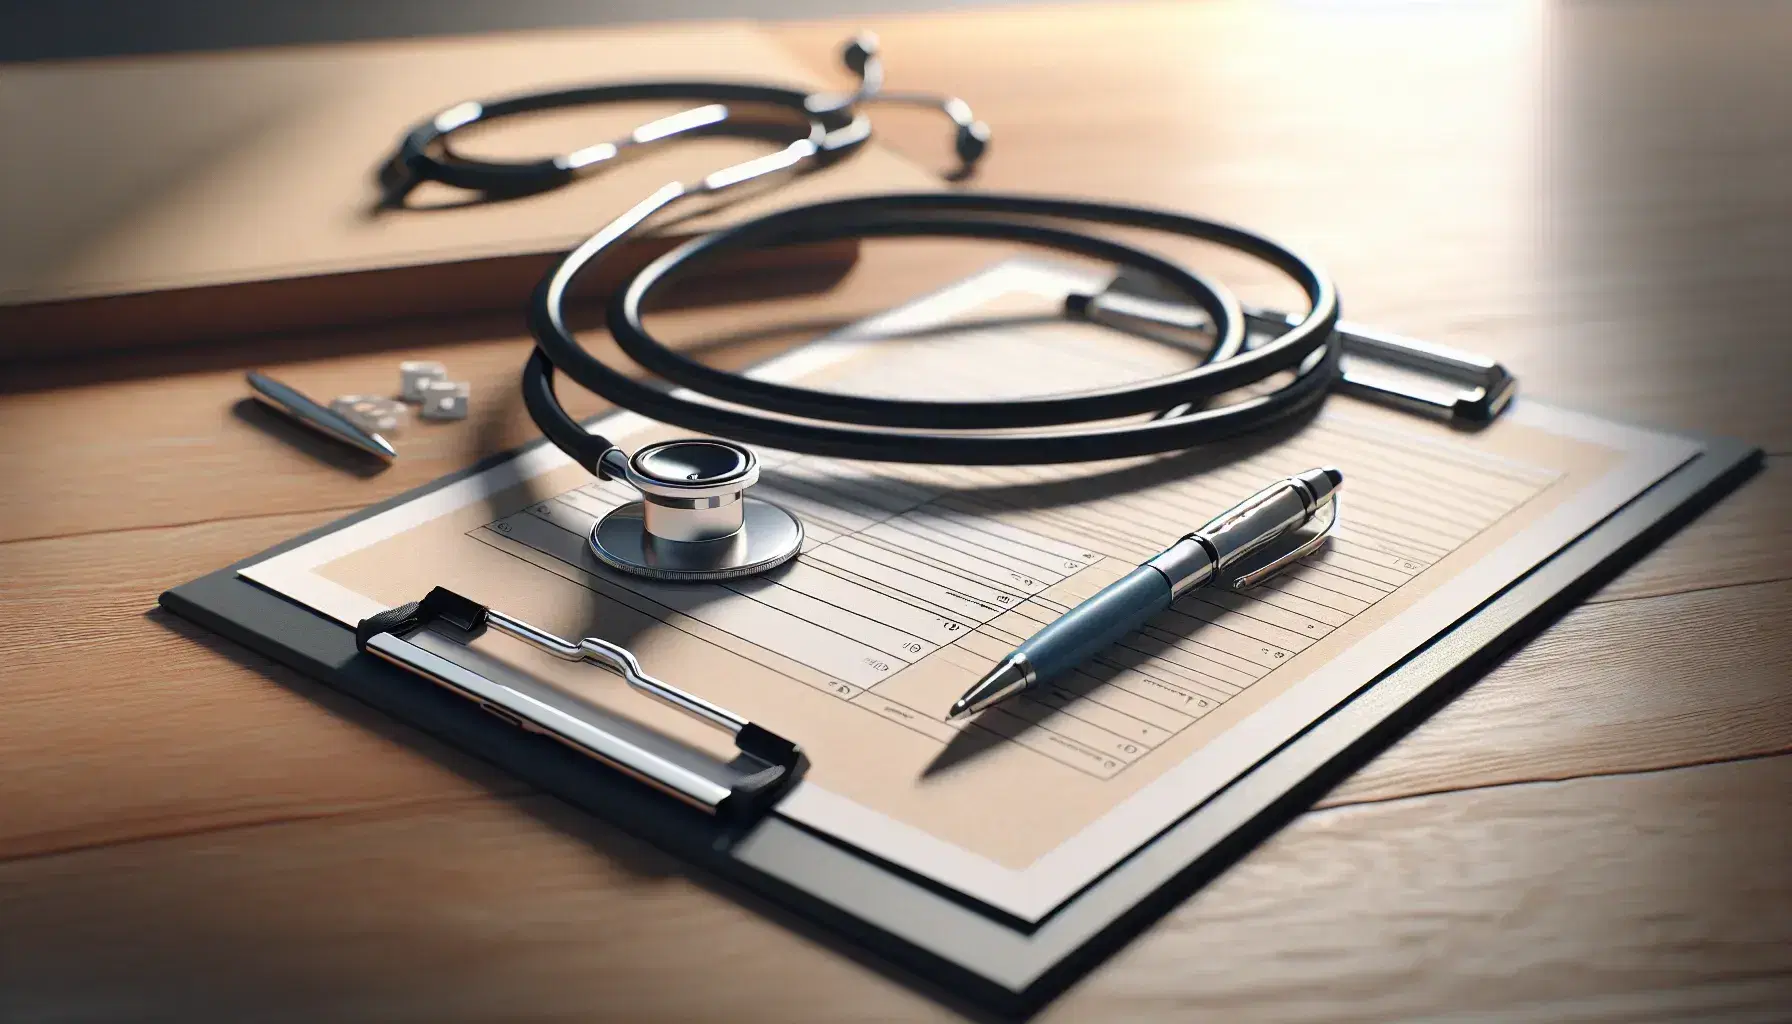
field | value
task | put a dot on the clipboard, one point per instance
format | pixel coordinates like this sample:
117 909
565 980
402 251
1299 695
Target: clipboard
919 933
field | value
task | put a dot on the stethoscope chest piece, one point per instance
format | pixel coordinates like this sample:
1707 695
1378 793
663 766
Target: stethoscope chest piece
694 521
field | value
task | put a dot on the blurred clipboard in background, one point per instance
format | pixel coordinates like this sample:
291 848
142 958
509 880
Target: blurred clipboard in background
1003 857
258 218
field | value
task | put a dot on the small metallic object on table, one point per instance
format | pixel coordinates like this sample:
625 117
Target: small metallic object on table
444 400
290 402
371 413
413 374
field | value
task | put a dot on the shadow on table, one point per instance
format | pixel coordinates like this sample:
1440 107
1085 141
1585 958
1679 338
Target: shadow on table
319 447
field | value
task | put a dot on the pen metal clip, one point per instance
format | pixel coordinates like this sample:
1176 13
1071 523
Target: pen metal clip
1290 548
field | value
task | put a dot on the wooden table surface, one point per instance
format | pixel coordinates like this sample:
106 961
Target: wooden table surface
1598 193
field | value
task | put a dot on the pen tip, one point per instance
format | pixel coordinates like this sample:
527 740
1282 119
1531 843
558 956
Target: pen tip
1013 673
1332 474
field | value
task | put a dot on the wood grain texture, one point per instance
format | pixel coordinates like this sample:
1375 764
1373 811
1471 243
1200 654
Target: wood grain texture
1631 898
1593 192
1745 538
1632 686
122 722
1622 899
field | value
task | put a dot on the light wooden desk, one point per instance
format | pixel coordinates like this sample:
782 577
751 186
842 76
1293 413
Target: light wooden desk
1599 193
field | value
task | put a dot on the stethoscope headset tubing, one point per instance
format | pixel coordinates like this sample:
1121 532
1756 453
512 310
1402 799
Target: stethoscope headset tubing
424 154
836 127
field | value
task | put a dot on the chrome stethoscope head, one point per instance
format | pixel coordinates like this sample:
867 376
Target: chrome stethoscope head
694 520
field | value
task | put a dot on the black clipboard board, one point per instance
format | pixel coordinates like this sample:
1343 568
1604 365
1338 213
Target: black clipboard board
945 947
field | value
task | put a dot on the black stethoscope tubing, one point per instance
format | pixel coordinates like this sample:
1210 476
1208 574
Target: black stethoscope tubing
892 430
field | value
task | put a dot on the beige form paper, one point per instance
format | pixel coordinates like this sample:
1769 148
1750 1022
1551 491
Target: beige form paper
914 580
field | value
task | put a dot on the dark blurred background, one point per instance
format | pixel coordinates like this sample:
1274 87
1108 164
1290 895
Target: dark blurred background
45 29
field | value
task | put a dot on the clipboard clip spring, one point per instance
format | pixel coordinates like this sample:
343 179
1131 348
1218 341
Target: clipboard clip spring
768 765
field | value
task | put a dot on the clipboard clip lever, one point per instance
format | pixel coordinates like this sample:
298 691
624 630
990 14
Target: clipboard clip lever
411 636
1464 389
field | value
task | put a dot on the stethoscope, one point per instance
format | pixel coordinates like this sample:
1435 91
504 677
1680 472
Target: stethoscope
695 520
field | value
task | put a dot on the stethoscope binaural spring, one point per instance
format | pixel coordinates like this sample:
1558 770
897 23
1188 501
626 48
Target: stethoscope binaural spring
695 520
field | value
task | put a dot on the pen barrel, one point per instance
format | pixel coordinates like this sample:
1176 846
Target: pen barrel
1256 521
1098 623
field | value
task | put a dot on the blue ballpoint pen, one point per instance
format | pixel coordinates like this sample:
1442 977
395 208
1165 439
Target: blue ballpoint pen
1231 547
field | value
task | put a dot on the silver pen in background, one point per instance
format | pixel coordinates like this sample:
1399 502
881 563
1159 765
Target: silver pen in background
1238 548
290 402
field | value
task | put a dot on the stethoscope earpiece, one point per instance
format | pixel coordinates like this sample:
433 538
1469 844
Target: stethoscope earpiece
972 142
858 53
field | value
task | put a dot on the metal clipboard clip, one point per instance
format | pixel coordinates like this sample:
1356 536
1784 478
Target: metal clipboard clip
430 638
1486 387
1460 388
